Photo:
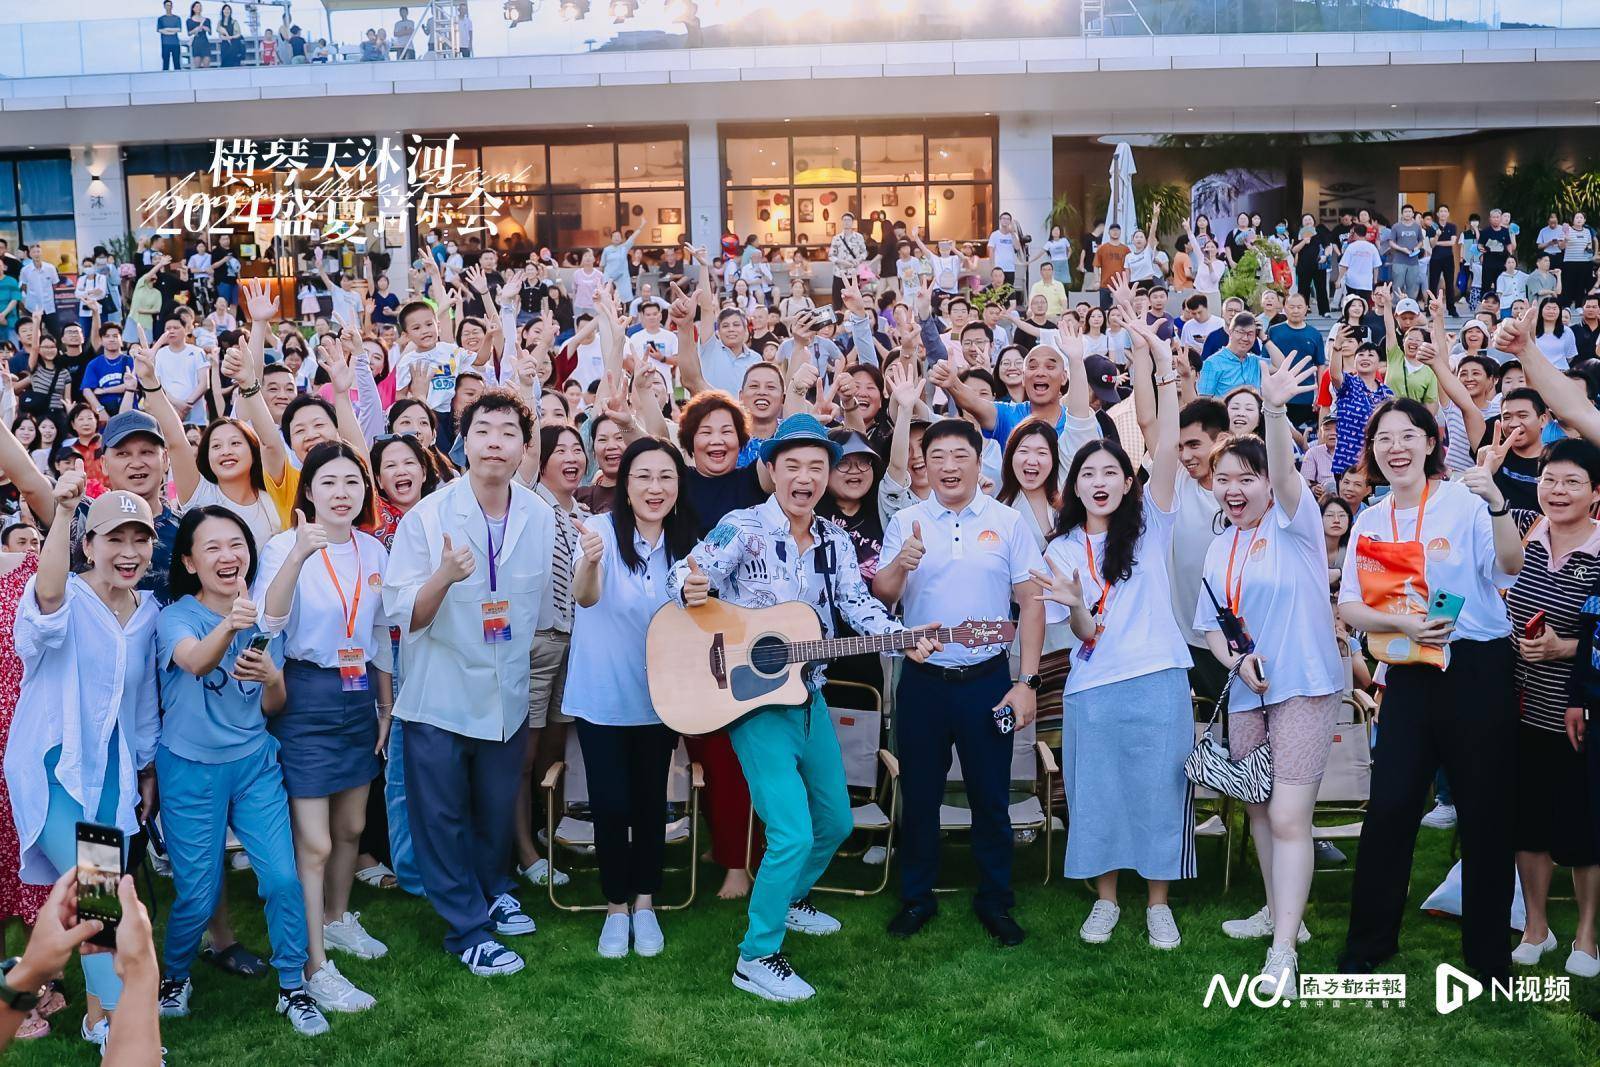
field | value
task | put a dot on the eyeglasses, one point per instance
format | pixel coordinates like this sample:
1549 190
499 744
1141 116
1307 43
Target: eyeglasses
1571 485
1409 438
855 463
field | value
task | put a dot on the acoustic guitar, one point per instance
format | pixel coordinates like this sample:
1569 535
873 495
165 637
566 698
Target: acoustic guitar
712 665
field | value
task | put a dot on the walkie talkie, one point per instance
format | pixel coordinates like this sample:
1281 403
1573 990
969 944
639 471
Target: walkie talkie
1240 643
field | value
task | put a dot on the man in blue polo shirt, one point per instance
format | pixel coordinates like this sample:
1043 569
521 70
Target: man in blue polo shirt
1236 363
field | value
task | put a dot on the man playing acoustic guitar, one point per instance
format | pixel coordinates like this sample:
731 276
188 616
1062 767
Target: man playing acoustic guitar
756 557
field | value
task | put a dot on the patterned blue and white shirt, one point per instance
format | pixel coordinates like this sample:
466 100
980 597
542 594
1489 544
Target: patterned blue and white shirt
753 562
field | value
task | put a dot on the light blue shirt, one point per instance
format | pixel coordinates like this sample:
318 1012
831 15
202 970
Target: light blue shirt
606 682
215 719
1224 370
724 370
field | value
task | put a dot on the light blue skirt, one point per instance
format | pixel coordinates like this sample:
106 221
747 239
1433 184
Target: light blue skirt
1129 805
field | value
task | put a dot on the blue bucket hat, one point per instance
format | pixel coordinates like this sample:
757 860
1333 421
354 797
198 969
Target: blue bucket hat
797 430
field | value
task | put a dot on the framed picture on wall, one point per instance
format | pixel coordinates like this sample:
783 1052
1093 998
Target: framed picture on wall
669 216
808 210
891 198
655 235
933 208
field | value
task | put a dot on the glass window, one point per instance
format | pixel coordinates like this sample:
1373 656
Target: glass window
757 161
824 160
58 236
8 189
586 166
582 220
960 212
899 203
960 158
769 214
817 213
9 234
891 158
46 186
651 163
524 163
658 216
517 229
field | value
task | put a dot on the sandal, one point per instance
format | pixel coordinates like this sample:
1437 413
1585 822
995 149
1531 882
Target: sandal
378 876
33 1027
53 1001
235 959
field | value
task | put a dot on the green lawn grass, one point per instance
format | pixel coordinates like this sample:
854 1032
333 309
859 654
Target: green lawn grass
946 997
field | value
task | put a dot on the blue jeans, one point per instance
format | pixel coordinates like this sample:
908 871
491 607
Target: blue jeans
199 802
59 840
402 854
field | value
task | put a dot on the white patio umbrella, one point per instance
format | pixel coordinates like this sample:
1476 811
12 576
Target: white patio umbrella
1120 211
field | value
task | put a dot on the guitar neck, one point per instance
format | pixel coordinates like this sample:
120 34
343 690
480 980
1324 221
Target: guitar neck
835 647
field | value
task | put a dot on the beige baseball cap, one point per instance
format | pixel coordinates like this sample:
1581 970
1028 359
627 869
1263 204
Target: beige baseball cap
118 508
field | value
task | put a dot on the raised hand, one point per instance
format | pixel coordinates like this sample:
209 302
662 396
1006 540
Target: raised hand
911 551
1283 383
1057 587
1479 480
904 387
696 587
252 665
477 279
336 361
590 542
144 368
259 301
244 614
456 564
805 377
68 491
309 537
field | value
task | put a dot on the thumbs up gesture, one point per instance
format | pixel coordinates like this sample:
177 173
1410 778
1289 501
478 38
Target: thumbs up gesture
243 615
309 537
697 587
911 551
456 564
589 542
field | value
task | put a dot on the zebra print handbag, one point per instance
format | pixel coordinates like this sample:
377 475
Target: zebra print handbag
1210 764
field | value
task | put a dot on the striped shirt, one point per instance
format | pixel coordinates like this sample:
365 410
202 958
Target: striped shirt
1560 593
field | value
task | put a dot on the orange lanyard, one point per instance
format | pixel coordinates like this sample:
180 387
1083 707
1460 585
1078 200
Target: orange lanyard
1235 593
1422 507
353 605
1094 575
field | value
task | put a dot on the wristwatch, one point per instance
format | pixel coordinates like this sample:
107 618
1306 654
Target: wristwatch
16 999
1032 681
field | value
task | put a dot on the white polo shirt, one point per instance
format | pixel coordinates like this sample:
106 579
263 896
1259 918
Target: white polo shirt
971 559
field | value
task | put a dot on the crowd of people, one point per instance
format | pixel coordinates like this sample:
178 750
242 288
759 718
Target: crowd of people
340 589
224 42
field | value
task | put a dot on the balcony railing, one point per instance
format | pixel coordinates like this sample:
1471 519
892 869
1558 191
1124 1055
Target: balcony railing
35 41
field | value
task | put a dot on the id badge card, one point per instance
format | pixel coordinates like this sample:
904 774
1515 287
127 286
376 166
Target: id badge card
353 670
1086 650
496 621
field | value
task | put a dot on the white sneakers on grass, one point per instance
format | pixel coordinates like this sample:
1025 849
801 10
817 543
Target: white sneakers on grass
771 978
642 925
1259 925
1582 965
1282 970
614 936
347 935
1162 927
1527 954
172 997
334 992
648 939
302 1012
805 919
491 959
1096 929
539 873
1442 817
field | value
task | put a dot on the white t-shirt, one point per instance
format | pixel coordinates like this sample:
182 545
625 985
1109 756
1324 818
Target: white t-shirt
1003 247
1280 576
947 273
1459 536
1195 332
1560 351
441 364
1360 262
666 343
261 517
316 627
1137 641
591 366
180 371
1192 533
200 263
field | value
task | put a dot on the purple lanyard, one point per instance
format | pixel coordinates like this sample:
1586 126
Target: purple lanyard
494 552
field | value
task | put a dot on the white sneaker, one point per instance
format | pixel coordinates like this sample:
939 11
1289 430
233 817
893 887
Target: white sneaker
805 919
302 1012
1527 954
96 1035
491 959
648 939
1442 817
876 856
1096 929
508 917
239 861
173 997
1259 925
771 978
614 936
159 863
348 935
1162 927
334 992
1582 964
539 872
1283 970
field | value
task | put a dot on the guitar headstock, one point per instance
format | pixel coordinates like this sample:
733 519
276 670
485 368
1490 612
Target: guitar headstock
975 633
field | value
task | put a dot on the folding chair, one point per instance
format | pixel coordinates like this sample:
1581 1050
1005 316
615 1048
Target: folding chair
574 831
1347 783
1033 774
860 734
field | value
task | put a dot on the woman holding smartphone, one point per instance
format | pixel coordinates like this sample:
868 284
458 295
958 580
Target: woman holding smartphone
321 583
1452 544
221 675
83 742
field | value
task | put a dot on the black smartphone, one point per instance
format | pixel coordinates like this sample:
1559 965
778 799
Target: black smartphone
100 868
259 642
1005 719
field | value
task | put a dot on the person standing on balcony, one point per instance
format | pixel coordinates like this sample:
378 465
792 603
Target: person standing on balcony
168 27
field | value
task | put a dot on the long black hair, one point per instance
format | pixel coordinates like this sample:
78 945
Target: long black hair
1127 522
1010 484
181 581
680 525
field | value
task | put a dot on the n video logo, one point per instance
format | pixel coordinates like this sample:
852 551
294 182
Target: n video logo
1454 988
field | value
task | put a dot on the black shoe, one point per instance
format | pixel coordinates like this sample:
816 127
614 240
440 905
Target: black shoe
910 921
1352 965
1003 928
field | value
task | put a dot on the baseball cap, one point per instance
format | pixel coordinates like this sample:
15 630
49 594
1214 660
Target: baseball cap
124 424
1406 305
118 508
1103 379
853 443
801 429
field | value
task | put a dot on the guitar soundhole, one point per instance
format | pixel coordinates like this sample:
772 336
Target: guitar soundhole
769 655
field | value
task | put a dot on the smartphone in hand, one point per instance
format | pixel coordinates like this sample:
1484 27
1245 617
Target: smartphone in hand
100 868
